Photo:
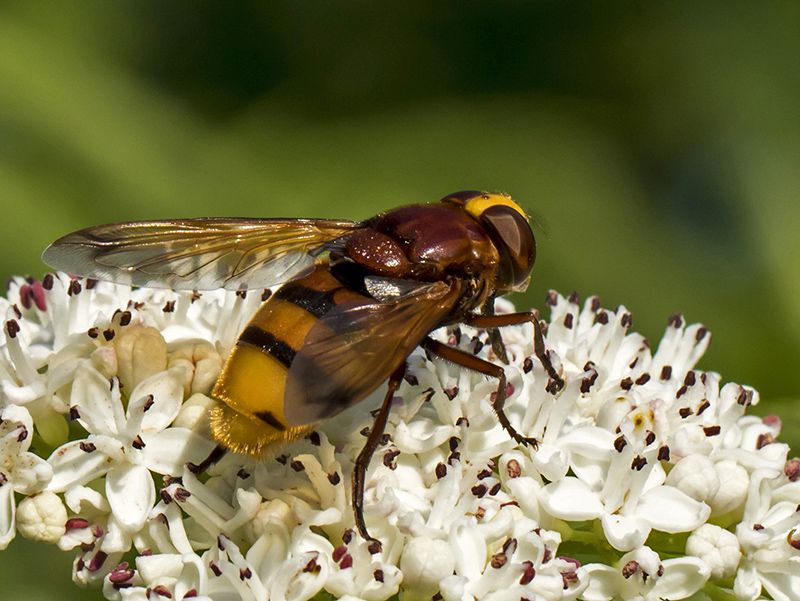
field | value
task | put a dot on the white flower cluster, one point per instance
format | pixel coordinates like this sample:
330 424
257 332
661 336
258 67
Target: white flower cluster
650 481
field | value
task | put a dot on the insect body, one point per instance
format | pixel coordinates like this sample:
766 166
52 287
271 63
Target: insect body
356 299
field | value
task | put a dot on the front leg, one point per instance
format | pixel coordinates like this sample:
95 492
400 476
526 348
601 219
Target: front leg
487 368
513 319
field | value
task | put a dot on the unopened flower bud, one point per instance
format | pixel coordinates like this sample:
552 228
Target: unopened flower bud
201 363
718 547
695 475
733 484
425 563
41 517
141 353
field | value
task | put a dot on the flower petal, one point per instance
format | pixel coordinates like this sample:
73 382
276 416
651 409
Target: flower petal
7 530
603 582
624 532
670 510
683 577
166 390
91 396
74 465
782 581
571 499
168 451
131 494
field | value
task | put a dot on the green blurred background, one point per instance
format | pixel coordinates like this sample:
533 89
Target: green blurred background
658 144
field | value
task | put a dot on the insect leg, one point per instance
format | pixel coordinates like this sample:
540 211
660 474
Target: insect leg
472 362
362 462
495 337
512 319
215 455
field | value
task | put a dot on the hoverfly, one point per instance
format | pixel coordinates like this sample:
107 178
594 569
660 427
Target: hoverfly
356 299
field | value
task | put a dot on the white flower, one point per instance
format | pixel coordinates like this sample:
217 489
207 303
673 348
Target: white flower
637 447
641 576
769 536
20 470
126 444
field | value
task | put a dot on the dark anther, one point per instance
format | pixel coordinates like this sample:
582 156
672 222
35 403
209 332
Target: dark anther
12 328
498 560
764 439
629 569
74 288
479 490
528 572
675 320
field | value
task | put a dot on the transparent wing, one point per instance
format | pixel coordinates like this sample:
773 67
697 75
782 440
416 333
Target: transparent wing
196 254
353 349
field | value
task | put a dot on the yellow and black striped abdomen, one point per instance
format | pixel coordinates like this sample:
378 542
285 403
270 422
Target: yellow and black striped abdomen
250 418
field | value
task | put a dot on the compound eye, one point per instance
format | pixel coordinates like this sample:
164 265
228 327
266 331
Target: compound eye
514 238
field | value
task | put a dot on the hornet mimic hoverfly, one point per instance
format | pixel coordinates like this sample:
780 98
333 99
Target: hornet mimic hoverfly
356 299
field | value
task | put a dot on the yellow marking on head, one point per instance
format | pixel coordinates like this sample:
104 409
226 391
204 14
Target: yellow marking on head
477 205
